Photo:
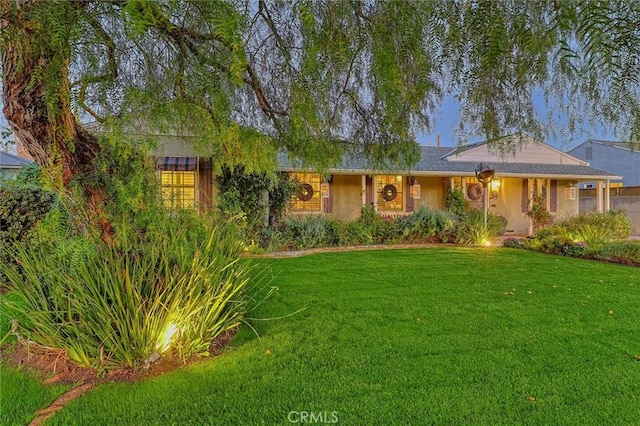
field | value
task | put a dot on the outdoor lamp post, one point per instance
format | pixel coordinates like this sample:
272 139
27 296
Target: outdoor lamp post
484 174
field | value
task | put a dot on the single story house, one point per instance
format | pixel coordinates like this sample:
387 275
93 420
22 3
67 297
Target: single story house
537 169
10 165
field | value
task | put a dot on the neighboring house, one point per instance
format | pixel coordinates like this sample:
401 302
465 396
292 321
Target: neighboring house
10 165
614 157
537 169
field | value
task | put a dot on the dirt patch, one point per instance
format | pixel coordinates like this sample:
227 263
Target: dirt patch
54 365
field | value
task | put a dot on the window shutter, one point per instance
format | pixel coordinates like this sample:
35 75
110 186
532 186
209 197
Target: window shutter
408 195
328 201
525 196
553 195
369 190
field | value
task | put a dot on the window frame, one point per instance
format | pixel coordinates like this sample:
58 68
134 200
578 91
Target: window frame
397 205
313 205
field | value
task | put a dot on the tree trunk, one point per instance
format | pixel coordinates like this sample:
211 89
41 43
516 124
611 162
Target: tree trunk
36 104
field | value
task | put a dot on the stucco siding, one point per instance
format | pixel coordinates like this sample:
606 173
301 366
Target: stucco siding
431 193
508 204
566 206
347 196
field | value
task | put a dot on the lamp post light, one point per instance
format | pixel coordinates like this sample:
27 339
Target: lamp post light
484 174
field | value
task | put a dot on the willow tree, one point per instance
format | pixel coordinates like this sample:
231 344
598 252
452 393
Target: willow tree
244 78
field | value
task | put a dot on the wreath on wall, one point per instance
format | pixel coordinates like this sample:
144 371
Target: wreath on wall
389 192
305 193
474 191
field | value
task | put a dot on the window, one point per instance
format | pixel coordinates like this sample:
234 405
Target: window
308 197
390 190
570 193
178 189
589 153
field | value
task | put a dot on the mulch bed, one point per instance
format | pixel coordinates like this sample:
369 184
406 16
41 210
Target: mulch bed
54 366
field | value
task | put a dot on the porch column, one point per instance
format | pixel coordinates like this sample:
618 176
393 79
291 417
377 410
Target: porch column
547 198
464 186
364 190
607 197
530 195
374 189
452 183
599 196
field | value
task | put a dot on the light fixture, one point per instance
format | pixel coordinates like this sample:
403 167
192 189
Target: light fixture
165 343
495 187
485 174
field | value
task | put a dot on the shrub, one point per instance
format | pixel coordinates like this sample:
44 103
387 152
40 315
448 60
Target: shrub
456 203
624 252
539 213
555 243
512 243
167 287
596 229
308 231
353 233
21 209
426 223
383 230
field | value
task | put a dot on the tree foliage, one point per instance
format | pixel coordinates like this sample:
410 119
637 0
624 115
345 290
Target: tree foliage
245 78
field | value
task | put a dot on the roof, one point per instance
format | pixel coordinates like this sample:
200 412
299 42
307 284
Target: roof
10 161
433 162
613 144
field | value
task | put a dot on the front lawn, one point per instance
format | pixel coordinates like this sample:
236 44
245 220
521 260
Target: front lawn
431 336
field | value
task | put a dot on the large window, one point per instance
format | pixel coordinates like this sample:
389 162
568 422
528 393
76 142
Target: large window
308 197
390 193
178 189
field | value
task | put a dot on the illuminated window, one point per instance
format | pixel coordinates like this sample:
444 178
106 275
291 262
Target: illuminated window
308 197
178 189
390 192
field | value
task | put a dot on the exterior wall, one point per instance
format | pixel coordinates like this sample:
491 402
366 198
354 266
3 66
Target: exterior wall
532 152
613 159
627 199
432 192
509 204
566 206
347 197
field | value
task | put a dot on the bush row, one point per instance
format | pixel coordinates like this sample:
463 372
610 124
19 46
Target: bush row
425 225
600 236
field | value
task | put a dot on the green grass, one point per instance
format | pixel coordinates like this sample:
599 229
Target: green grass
433 336
22 394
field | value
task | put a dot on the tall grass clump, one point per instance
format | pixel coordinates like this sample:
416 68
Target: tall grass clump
172 286
427 223
308 231
595 229
472 228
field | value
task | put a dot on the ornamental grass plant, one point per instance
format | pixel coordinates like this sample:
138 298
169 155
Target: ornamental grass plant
173 285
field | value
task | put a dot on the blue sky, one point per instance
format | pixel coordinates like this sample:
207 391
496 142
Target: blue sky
445 123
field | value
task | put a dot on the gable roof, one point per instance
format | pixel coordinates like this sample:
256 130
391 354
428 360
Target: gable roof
613 144
10 161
